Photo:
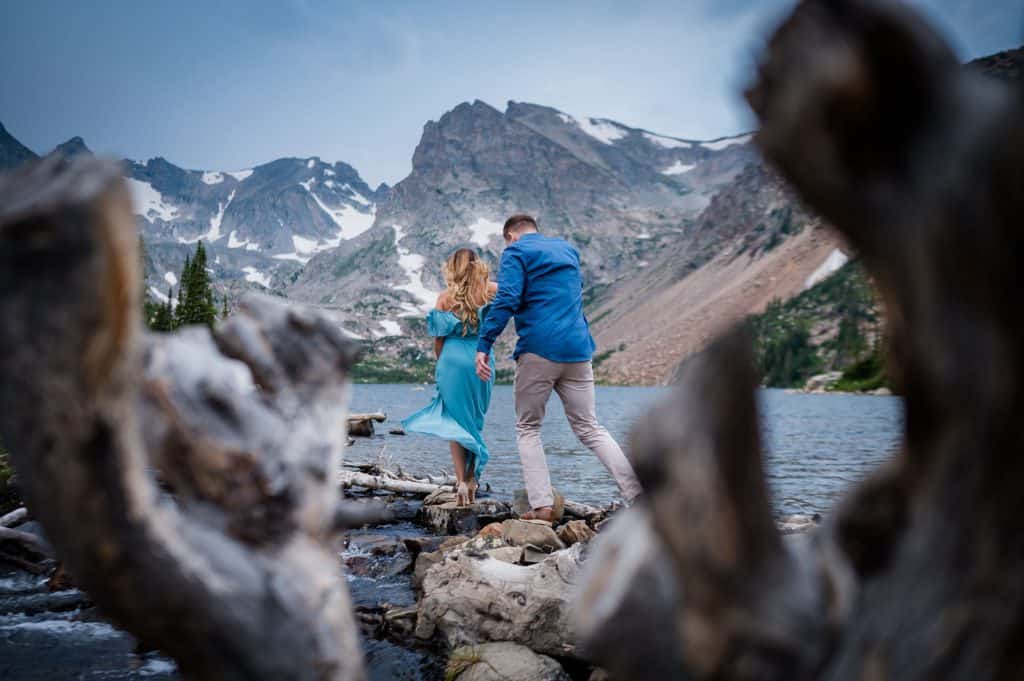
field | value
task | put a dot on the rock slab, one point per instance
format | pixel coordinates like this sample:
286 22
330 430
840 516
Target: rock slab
502 662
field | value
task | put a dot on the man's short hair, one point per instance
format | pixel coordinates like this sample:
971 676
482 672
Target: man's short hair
516 223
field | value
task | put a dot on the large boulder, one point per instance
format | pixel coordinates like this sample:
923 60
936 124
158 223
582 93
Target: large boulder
502 662
471 598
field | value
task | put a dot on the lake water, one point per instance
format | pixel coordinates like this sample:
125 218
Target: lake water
817 444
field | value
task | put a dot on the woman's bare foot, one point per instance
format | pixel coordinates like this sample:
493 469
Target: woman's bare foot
473 487
462 494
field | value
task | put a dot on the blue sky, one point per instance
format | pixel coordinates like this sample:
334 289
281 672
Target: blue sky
226 84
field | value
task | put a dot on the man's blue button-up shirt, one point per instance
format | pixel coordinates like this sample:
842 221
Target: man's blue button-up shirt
539 283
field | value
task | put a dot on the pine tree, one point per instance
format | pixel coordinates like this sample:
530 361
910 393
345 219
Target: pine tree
180 313
224 312
164 319
195 296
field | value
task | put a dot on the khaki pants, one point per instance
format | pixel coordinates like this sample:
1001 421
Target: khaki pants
574 383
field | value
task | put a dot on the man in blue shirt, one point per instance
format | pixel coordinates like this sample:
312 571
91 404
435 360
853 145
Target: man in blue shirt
540 285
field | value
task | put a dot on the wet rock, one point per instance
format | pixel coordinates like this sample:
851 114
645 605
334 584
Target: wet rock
575 531
468 600
397 431
375 544
427 559
502 662
450 518
533 532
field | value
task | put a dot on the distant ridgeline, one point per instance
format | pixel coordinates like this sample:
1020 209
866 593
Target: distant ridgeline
835 325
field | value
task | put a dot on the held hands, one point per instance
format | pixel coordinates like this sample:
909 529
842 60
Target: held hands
483 366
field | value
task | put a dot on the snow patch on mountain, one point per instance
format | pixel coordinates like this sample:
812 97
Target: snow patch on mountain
483 230
350 221
255 276
240 175
170 278
678 168
718 145
162 297
210 177
328 172
235 242
666 142
213 233
149 203
311 163
412 264
835 260
391 328
600 129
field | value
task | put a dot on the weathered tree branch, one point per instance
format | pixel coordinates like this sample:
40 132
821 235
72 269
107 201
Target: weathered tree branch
917 573
237 579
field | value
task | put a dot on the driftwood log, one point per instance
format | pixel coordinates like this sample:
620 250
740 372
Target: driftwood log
919 572
236 577
361 425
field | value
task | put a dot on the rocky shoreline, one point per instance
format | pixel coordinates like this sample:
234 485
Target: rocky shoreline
440 591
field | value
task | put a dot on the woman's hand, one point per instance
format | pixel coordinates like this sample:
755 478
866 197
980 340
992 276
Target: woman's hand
483 366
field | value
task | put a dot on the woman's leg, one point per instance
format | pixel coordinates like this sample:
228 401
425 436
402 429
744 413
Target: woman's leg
459 462
471 476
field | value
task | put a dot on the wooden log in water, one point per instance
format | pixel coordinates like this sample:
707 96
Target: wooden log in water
360 427
399 486
378 416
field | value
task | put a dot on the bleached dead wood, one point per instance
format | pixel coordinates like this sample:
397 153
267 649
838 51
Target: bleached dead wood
15 517
350 479
917 574
378 416
238 579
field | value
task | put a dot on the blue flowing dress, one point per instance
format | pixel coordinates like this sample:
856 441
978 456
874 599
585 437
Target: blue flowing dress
458 410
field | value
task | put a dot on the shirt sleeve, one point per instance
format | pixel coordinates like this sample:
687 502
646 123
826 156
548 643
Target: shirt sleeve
510 293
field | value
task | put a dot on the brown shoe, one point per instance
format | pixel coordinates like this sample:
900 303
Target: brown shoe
546 514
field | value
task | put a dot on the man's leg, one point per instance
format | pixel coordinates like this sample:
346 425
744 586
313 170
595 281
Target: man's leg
535 377
576 389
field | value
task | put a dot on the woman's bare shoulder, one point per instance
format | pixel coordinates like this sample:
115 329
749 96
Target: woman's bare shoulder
444 302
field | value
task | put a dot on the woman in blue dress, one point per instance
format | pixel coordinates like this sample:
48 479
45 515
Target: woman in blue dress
458 410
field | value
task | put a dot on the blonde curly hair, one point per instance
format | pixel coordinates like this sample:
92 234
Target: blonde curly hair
466 276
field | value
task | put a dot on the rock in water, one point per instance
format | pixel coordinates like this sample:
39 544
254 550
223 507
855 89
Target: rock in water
450 518
468 600
822 382
502 662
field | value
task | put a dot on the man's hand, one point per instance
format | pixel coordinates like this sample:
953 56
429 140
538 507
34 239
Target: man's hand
483 366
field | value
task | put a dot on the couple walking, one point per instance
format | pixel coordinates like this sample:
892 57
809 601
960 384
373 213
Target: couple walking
540 285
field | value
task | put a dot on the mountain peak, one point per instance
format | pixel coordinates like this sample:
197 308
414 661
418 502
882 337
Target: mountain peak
73 147
12 152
